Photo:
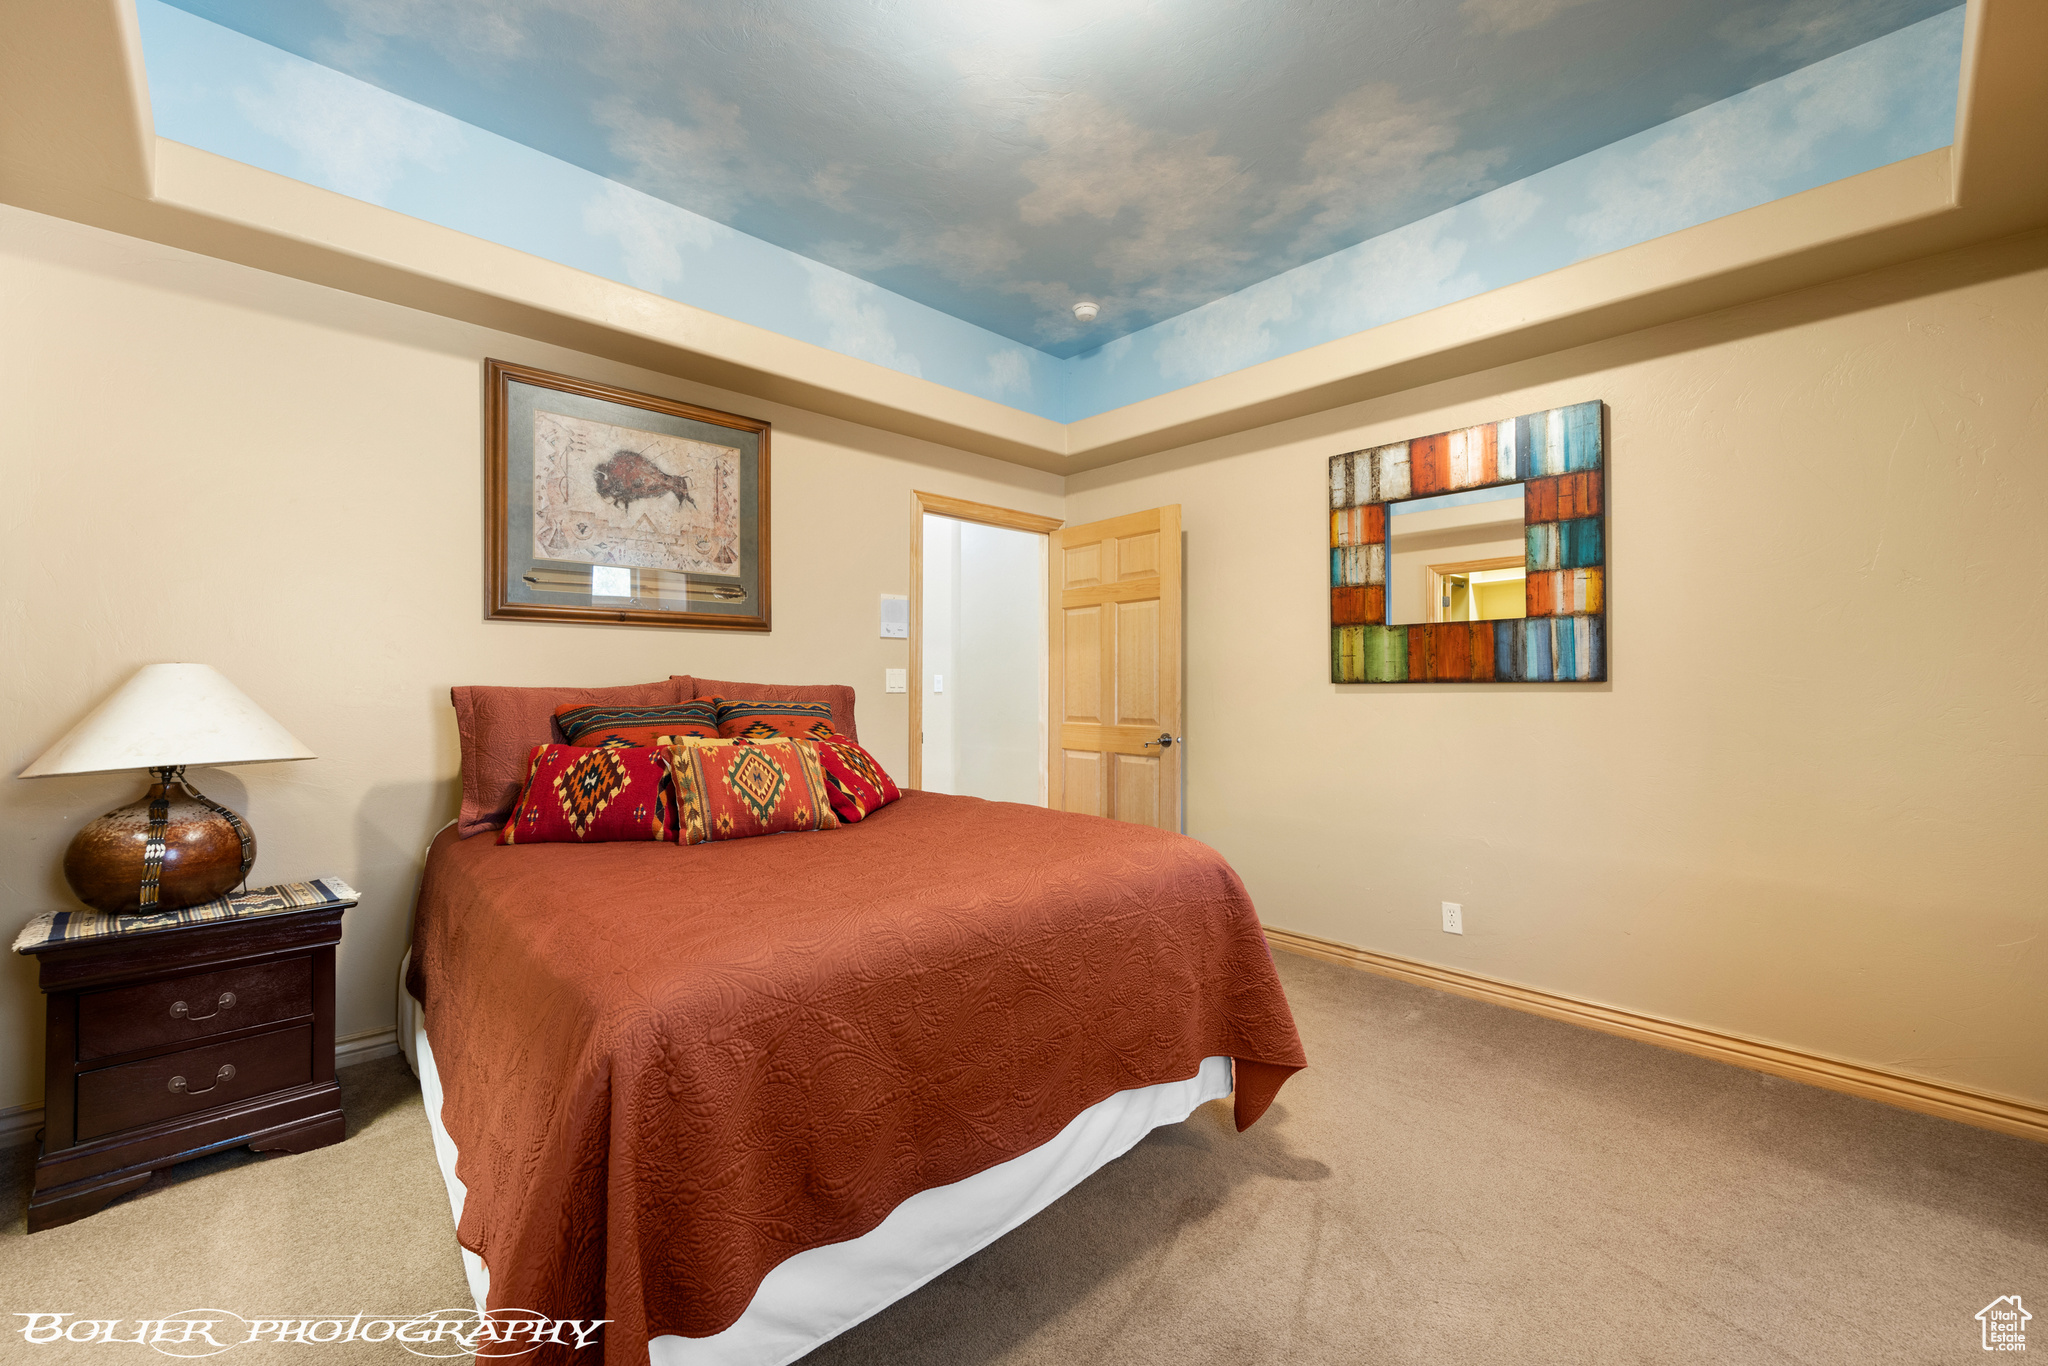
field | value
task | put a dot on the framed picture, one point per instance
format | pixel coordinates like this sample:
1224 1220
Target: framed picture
1474 556
609 506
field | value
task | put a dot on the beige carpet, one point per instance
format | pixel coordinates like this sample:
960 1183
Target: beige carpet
1449 1182
361 1225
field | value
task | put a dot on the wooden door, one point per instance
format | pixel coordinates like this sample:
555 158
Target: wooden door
1115 602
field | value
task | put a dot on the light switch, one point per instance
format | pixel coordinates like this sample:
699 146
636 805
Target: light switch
895 680
895 616
938 682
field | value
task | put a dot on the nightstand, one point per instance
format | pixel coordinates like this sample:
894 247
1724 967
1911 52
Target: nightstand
179 1034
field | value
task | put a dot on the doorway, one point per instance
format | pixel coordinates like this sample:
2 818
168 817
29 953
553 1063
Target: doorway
978 682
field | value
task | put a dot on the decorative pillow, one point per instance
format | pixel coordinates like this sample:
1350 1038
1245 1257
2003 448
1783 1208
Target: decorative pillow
636 727
730 792
579 795
838 694
858 785
500 726
767 717
715 742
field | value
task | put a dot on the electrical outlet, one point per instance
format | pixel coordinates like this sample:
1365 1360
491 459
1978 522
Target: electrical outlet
1454 918
895 680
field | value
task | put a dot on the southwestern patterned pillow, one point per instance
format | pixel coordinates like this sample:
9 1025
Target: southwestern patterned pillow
837 694
713 743
761 718
575 795
635 727
858 785
731 792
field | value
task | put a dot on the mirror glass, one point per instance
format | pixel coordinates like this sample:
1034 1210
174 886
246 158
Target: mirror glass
1459 557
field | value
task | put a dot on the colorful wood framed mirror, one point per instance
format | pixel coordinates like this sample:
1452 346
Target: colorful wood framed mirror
1474 556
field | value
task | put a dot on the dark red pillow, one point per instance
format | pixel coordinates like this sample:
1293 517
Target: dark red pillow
857 784
591 725
838 694
602 795
499 727
767 717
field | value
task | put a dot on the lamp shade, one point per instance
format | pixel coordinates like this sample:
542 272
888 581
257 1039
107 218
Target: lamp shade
170 715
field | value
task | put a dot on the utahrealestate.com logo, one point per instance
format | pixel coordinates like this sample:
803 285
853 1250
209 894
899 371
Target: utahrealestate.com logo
501 1333
2005 1324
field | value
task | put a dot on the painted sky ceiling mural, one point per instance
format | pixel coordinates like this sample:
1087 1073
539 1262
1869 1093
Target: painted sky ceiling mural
1892 97
1000 161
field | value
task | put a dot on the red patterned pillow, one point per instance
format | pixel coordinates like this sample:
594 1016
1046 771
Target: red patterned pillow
575 795
592 725
858 784
761 718
710 743
730 792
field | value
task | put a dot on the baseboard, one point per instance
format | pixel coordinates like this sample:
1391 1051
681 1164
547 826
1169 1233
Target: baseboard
2005 1115
19 1125
366 1047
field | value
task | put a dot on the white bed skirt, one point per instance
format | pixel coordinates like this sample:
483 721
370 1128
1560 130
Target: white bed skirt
820 1293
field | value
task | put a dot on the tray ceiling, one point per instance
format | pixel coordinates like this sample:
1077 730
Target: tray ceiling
1001 162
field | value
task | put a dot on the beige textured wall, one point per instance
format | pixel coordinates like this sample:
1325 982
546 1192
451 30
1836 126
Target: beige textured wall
206 462
1811 806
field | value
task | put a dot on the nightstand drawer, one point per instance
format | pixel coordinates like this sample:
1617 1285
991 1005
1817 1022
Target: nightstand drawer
181 1009
135 1093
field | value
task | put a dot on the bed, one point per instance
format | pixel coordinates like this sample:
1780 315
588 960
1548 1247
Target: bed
736 1097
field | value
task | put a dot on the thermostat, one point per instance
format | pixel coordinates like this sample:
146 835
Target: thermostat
895 616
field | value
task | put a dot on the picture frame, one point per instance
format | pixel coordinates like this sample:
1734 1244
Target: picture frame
1554 630
603 505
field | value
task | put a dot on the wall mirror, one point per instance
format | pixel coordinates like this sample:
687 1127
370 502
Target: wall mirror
1475 556
1458 557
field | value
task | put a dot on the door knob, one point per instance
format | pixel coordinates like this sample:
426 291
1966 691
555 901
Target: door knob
1165 741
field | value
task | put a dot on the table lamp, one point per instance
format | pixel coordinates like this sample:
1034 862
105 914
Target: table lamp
171 847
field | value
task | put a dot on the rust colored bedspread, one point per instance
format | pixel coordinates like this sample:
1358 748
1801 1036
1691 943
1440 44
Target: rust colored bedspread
667 1069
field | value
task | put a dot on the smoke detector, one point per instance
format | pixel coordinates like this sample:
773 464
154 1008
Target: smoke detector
1086 311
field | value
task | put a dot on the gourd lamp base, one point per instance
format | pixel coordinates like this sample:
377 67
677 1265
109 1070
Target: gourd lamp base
170 849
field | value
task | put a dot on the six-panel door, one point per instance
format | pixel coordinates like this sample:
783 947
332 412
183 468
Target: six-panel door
1116 667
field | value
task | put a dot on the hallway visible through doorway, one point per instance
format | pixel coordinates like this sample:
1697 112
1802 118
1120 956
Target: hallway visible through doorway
979 652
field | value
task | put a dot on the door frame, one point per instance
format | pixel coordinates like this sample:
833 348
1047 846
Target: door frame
1437 573
960 509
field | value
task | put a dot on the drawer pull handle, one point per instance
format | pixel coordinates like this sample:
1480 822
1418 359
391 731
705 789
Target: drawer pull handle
181 1011
226 1073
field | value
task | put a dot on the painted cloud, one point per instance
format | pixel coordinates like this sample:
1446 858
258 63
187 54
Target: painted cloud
997 162
1209 244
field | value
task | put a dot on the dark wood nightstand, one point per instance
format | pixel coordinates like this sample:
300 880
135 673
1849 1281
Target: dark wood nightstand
176 1035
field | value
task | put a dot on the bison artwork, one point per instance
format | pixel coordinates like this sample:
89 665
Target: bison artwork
629 476
615 495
